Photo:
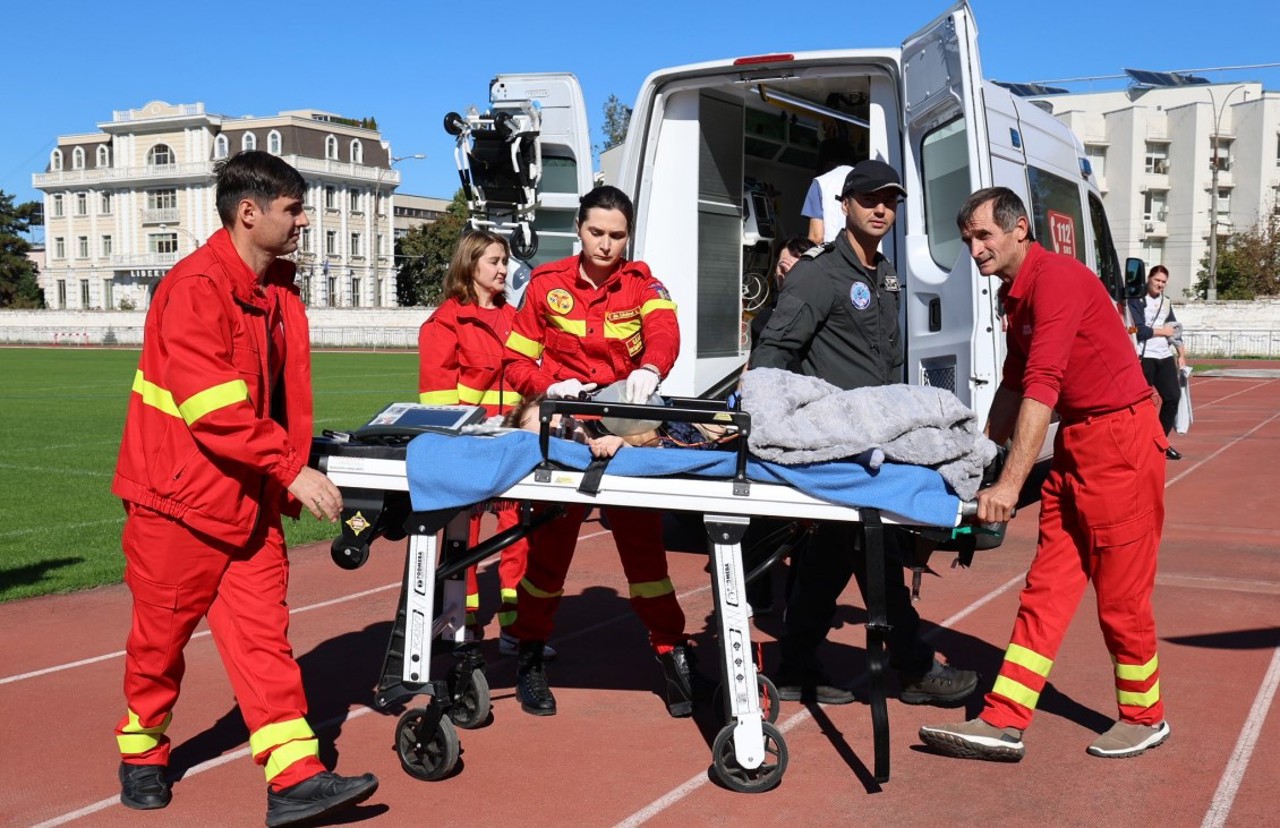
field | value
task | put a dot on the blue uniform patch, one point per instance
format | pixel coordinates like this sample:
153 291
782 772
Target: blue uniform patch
860 295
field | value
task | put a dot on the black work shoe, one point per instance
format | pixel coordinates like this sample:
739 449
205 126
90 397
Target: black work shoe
144 787
531 681
942 686
810 688
679 674
321 794
1172 453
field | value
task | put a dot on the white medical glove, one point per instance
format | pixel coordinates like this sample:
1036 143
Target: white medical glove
568 389
641 384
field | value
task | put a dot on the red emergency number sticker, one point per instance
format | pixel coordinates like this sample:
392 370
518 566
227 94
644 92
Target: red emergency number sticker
1063 229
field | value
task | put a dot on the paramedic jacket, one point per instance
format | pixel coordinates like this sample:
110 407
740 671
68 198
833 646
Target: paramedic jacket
460 354
836 320
591 334
200 442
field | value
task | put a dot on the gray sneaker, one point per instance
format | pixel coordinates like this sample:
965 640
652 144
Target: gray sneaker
1125 739
943 686
975 739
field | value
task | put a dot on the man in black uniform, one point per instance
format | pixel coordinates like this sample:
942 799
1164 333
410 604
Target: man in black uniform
838 319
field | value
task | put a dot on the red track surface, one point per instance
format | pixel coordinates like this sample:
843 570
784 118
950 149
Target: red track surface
612 756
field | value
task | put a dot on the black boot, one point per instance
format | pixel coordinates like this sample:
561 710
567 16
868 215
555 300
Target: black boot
531 681
144 787
321 794
678 671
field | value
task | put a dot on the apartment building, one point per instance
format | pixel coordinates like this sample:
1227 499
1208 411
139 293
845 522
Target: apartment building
123 204
1170 161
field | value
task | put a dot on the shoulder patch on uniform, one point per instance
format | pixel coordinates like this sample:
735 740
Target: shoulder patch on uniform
659 288
817 250
560 300
860 295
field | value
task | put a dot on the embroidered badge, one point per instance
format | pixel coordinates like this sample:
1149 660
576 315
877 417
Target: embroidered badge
660 289
890 282
560 300
358 523
860 295
1026 330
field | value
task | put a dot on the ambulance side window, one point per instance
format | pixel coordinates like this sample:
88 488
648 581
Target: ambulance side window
944 169
1105 250
1056 213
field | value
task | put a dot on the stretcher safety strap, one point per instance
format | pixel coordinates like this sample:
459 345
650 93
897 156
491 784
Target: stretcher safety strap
138 739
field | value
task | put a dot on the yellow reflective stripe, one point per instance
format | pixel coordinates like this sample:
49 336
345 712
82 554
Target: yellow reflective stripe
506 619
1033 661
1015 691
211 399
139 739
154 396
278 733
285 755
621 330
449 397
657 304
577 327
507 595
1138 672
524 345
652 589
473 601
474 396
537 593
1146 699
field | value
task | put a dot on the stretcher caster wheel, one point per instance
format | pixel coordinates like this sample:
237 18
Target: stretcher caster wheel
426 756
505 124
470 696
757 780
453 124
770 704
523 248
349 555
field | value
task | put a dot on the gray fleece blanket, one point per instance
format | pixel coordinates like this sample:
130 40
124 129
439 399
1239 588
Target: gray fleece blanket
797 419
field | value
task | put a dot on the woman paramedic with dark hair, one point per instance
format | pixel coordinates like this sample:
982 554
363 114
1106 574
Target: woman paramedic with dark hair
460 352
594 319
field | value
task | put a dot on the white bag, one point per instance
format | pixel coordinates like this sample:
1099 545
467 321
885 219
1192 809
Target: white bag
1182 424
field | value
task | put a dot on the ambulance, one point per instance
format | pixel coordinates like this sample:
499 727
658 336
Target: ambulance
719 155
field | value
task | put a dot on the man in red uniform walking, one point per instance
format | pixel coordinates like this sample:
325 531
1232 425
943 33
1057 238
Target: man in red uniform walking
1102 506
214 452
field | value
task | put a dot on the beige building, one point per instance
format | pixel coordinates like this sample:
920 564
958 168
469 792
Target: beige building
124 203
414 210
1152 151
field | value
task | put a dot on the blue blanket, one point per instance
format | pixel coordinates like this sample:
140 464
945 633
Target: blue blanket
451 472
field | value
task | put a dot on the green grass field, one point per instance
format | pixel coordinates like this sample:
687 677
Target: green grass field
61 413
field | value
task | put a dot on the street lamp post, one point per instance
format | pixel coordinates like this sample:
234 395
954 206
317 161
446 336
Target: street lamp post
1212 294
377 249
194 240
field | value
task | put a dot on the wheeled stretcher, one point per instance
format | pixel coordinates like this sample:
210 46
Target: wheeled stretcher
749 753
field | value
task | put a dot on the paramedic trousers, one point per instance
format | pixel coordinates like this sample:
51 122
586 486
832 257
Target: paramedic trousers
1101 514
1162 375
511 565
820 571
178 577
638 535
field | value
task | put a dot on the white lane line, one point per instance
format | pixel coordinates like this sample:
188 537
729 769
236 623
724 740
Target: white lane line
51 470
1236 394
1220 450
1229 785
678 793
35 530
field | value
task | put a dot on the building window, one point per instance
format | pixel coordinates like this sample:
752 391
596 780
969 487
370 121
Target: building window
84 293
382 245
1224 203
273 142
332 298
355 201
162 243
220 147
248 142
1220 156
105 204
1157 158
1278 149
59 248
1152 252
62 294
330 198
106 246
55 160
57 205
108 295
357 151
305 241
77 158
355 244
1097 161
355 291
1155 206
331 242
104 156
162 199
331 148
82 204
161 156
82 247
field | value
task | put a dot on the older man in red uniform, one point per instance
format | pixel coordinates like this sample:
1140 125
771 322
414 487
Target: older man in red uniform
1102 505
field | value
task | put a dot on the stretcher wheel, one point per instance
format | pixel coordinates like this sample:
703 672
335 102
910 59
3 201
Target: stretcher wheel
349 555
522 248
426 756
471 703
770 704
505 124
453 124
764 778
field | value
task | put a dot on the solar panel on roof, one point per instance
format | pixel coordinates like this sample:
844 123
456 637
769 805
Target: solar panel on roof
1144 77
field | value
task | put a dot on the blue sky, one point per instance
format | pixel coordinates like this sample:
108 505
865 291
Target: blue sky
409 62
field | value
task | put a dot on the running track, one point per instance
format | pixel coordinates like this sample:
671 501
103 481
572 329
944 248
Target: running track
613 757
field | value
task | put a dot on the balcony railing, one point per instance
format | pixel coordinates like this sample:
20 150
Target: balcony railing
82 177
129 260
385 178
163 215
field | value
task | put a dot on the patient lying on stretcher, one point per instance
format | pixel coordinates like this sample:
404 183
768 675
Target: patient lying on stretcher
596 437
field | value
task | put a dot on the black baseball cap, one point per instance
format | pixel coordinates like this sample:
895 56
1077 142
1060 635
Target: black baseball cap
870 176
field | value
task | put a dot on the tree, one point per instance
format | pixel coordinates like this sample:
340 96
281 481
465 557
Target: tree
423 255
617 116
1248 263
18 285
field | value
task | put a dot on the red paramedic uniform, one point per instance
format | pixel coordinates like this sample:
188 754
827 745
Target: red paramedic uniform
218 426
460 361
595 334
1102 508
